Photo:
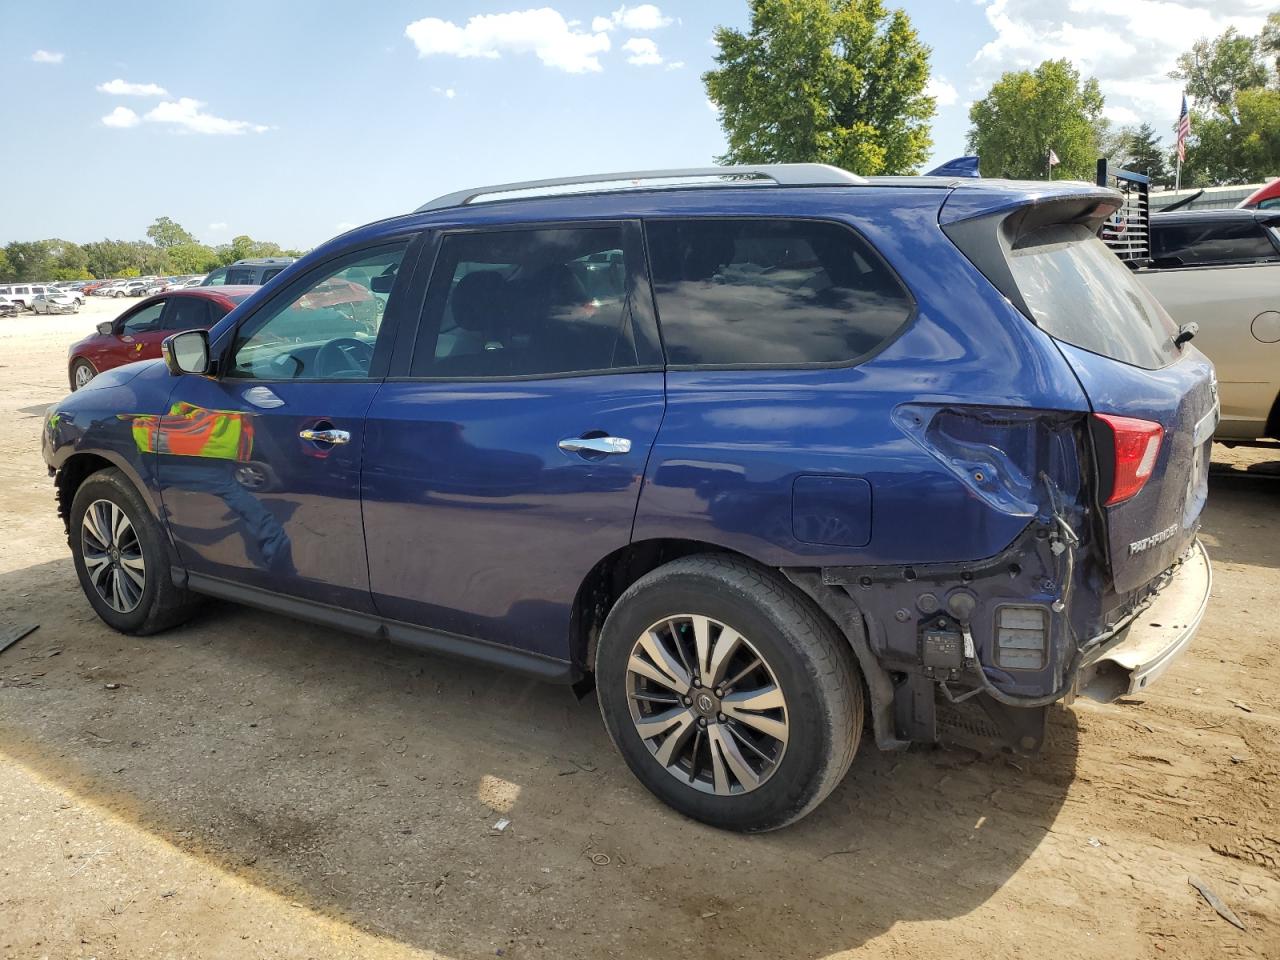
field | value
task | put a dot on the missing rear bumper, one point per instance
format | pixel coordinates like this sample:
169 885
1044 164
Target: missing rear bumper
1142 651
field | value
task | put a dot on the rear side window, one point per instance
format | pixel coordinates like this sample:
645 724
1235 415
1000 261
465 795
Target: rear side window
770 292
237 275
1080 292
545 302
1193 244
186 313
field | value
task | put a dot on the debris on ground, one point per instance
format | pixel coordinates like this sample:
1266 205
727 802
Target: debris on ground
11 635
1216 902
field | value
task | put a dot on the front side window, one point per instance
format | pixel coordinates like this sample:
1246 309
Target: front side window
217 278
1218 242
146 320
326 331
545 302
770 292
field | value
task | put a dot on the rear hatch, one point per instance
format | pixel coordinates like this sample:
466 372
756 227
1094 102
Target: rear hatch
1154 402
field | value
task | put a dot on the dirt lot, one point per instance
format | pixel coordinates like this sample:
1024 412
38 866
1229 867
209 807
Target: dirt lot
246 786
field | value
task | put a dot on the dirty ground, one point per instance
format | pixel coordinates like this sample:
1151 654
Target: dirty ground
247 786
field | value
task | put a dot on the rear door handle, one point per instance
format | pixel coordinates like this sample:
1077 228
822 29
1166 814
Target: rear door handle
325 436
604 445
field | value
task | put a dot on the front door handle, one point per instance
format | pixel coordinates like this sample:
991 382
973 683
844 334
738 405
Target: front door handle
325 436
602 445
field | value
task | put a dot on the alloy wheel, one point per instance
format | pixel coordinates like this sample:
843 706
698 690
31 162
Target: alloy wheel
707 705
113 556
83 375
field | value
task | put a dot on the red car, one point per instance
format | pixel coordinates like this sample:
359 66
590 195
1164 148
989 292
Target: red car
1265 197
136 334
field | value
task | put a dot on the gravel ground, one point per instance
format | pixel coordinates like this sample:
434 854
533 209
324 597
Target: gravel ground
247 786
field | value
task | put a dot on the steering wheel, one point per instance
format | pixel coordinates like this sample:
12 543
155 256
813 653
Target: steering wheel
344 356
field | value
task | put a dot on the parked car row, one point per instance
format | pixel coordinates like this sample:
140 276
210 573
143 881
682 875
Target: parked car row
38 297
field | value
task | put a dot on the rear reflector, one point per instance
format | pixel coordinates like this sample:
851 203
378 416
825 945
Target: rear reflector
1022 637
1137 445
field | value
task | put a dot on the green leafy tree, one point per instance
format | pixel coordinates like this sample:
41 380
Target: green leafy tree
31 259
1244 148
1148 155
1269 42
1027 113
191 258
832 81
1214 71
116 258
7 272
166 233
245 247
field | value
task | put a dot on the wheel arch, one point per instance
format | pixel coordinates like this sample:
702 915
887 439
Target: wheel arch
614 573
71 473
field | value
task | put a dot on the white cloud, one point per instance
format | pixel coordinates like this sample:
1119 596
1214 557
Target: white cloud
46 56
217 227
1120 115
713 106
121 117
941 91
675 65
543 32
447 92
640 19
1130 47
185 112
122 88
644 52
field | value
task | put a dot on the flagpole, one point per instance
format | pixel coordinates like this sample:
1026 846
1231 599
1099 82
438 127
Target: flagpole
1177 180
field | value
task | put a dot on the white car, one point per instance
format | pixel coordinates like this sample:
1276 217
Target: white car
1220 270
24 293
55 301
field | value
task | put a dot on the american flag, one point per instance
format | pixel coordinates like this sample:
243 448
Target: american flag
1184 130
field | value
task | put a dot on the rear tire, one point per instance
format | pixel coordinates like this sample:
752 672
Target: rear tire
122 560
785 733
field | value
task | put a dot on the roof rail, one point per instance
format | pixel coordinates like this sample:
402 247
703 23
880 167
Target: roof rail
782 174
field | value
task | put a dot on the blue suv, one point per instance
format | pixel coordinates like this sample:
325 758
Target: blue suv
763 453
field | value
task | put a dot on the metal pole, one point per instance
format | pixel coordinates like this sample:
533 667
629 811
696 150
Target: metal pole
1177 179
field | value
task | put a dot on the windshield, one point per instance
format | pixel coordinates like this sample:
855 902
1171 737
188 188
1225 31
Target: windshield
1079 292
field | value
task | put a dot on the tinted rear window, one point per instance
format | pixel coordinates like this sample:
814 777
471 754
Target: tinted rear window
770 292
1079 292
1240 241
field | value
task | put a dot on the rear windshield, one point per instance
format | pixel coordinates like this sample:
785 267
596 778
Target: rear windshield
1079 292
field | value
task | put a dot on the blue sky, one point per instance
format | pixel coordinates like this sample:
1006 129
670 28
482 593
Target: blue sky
292 121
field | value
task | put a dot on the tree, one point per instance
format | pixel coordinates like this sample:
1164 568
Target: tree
1244 148
1269 42
191 258
1214 71
1114 143
7 272
831 81
31 259
1148 155
1027 113
166 233
244 247
116 258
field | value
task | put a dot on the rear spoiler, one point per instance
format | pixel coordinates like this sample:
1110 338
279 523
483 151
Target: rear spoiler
989 226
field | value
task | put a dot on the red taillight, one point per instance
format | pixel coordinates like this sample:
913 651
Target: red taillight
1137 446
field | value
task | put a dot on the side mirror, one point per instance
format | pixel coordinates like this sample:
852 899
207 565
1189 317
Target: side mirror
186 352
106 328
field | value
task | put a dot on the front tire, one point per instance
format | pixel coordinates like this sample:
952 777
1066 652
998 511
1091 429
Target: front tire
729 696
81 373
121 558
